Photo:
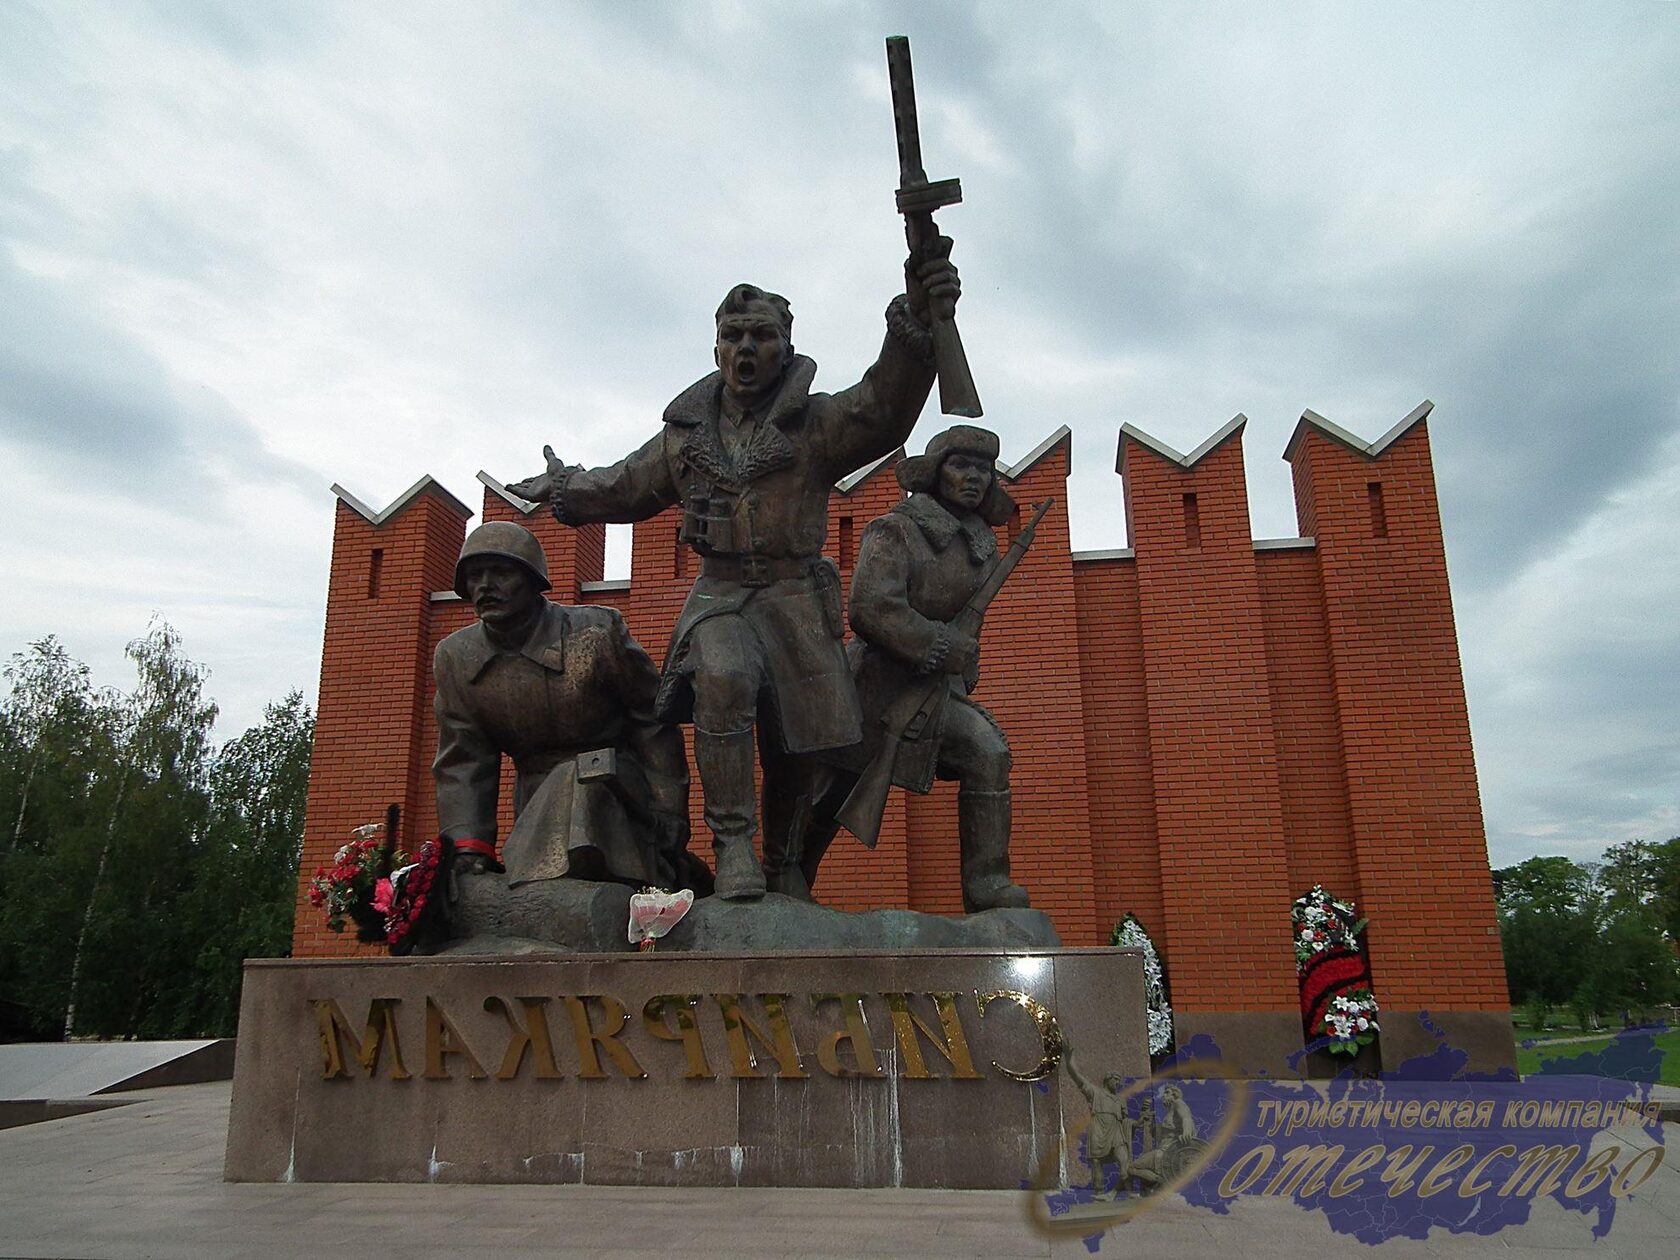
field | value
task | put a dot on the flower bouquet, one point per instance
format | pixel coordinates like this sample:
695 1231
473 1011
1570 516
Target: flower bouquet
350 886
1130 932
396 908
1335 978
654 912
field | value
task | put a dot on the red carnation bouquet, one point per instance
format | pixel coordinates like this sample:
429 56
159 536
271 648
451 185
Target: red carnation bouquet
416 903
397 908
349 886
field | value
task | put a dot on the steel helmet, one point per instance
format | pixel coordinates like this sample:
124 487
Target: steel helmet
507 541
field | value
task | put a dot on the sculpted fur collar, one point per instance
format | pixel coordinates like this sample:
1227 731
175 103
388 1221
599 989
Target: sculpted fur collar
941 527
697 409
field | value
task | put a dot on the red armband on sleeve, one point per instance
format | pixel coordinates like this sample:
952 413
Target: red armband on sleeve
482 847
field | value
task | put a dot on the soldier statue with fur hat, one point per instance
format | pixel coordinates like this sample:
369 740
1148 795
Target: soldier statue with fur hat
751 452
917 567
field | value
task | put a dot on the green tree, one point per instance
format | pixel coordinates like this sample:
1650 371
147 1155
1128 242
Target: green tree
241 902
1590 936
54 783
1644 874
46 730
1550 885
1546 925
138 865
157 809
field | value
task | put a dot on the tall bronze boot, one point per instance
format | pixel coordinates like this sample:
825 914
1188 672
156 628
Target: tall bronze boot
983 829
725 763
786 815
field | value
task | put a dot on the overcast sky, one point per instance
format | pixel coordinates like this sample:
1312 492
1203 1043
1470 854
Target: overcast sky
247 250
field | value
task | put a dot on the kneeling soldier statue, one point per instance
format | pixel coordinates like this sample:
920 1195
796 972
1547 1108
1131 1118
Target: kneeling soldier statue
921 568
567 694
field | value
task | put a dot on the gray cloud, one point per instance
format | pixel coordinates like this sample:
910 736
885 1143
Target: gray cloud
107 410
253 249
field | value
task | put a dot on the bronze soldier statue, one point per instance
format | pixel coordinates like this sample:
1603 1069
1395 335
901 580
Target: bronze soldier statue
602 786
752 455
918 568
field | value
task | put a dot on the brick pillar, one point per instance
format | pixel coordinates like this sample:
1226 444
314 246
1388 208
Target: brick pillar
373 714
1030 679
576 554
1224 874
1127 859
1411 776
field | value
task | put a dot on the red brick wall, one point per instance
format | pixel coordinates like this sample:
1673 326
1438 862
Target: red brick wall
373 729
1201 728
1212 749
1414 809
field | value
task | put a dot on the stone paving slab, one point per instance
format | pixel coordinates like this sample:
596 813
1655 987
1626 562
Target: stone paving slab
58 1070
145 1181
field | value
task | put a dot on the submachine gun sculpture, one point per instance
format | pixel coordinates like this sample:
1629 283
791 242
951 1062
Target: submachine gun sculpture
917 200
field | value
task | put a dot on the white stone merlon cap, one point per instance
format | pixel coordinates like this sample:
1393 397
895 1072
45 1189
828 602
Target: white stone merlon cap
523 506
1230 428
851 481
1014 471
427 482
1370 450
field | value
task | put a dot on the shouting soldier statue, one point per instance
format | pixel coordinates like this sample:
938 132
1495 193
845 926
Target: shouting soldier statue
752 454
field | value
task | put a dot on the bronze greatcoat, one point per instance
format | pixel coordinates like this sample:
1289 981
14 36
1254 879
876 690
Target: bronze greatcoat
917 566
580 683
773 491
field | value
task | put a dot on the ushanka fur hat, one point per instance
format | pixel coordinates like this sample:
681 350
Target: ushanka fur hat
921 472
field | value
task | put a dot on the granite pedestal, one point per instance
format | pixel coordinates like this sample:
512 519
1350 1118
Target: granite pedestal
932 1068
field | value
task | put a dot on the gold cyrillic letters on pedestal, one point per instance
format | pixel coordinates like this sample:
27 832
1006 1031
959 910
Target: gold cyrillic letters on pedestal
740 1028
856 1031
588 1037
381 1026
442 1039
1049 1033
687 1031
675 1017
533 1037
954 1046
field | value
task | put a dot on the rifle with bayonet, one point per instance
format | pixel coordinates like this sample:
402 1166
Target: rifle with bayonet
917 200
916 710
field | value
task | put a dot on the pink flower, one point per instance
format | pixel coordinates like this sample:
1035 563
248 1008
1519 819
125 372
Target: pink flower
382 896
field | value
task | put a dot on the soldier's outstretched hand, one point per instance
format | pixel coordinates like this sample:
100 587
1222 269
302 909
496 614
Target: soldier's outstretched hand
931 282
545 486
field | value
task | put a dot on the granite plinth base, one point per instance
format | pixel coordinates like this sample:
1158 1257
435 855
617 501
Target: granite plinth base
1413 1044
932 1068
1428 1042
570 914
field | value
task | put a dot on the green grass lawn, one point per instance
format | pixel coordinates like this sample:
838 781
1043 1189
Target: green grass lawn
1555 1056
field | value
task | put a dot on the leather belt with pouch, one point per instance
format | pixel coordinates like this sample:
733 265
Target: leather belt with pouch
754 570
